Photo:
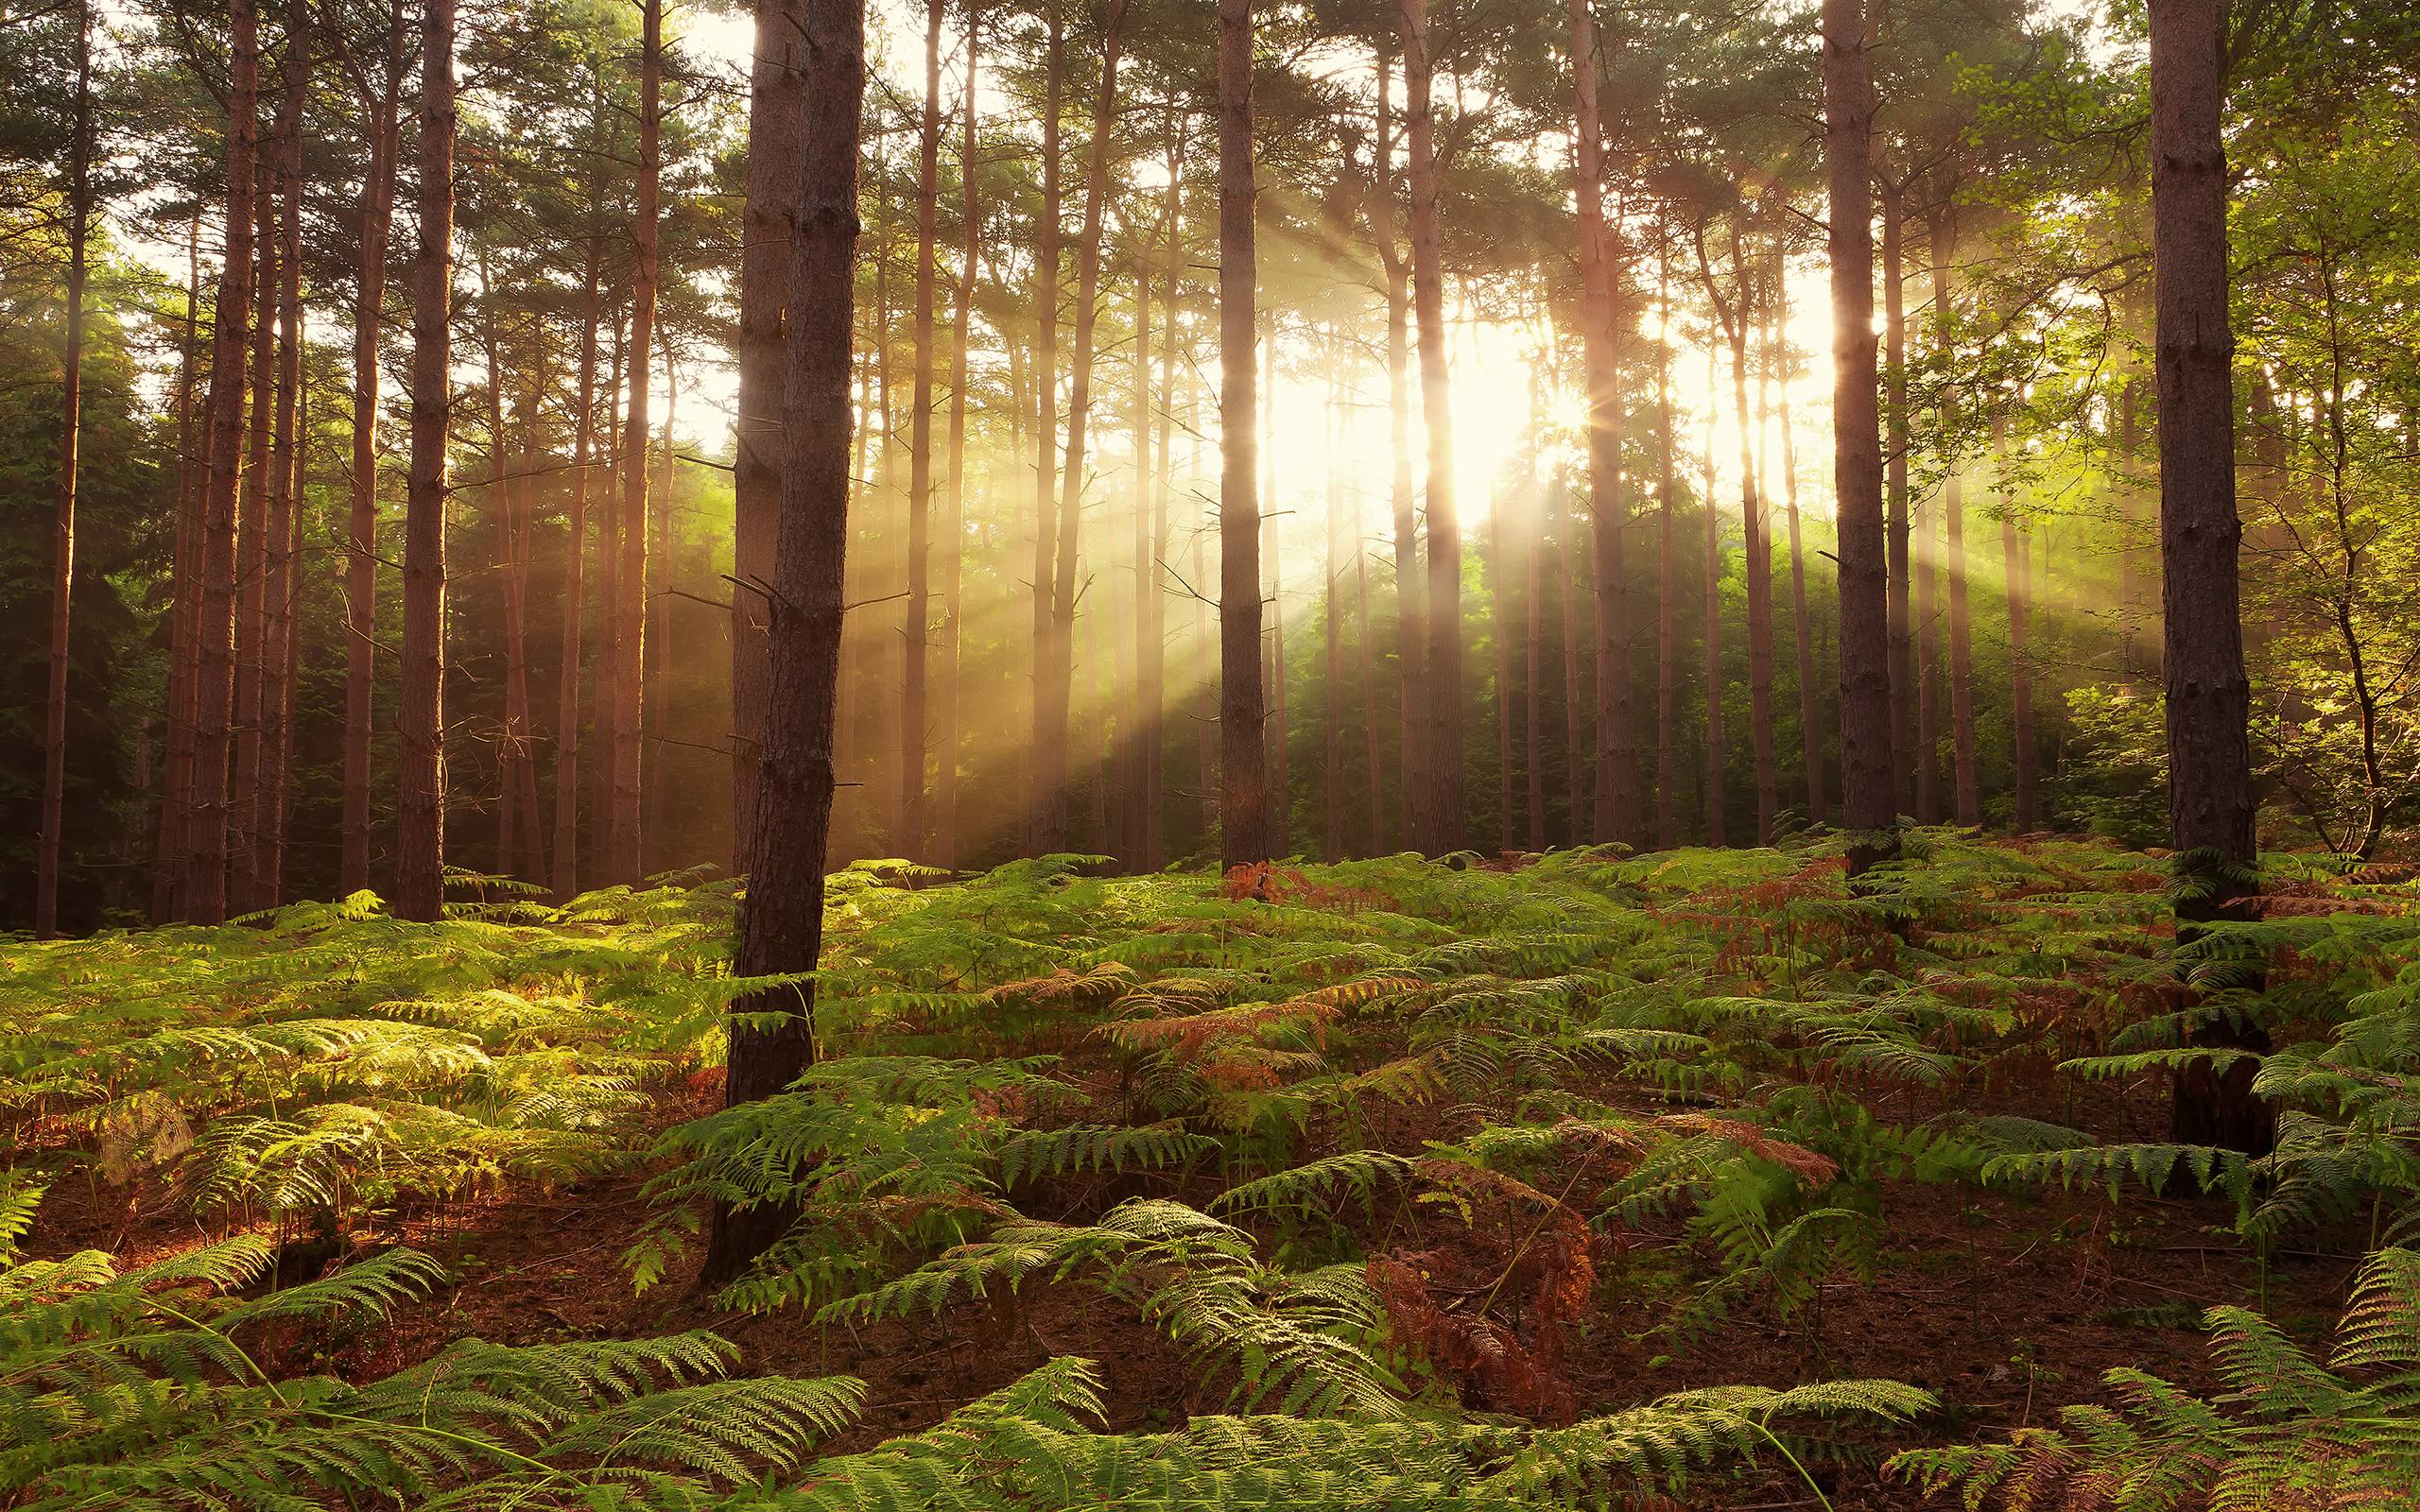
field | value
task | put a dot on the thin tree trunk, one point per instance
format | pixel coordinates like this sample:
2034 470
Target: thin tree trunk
1443 608
1899 535
1617 816
1154 675
1046 818
520 715
420 864
607 601
361 536
1500 574
1810 707
1717 803
79 212
1332 627
1869 787
1966 782
1576 761
914 822
176 787
205 892
780 918
1243 828
251 536
625 861
777 86
659 606
1534 634
1374 740
1142 711
1410 631
2016 565
953 608
1668 627
281 587
566 876
1281 790
2210 795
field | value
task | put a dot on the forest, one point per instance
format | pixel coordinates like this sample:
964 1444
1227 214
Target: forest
1450 754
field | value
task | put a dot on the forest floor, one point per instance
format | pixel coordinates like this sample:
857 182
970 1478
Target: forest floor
1841 1063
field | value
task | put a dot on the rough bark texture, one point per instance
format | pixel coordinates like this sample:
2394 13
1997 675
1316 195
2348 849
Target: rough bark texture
1868 789
1443 608
419 810
176 790
781 915
1411 635
205 895
1898 529
1617 814
777 83
1966 783
2209 798
283 591
564 880
1046 809
63 571
251 542
1243 767
945 763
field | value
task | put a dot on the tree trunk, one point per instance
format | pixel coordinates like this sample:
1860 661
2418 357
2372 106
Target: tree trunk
2017 566
251 542
282 588
1281 790
1811 709
1667 627
361 539
1964 781
1756 554
1443 608
1618 815
1903 645
204 898
1045 816
625 861
944 851
1243 818
1534 552
1576 761
1717 802
1153 676
1869 788
1410 633
777 86
781 916
79 212
914 823
659 606
2209 796
176 787
420 817
1332 627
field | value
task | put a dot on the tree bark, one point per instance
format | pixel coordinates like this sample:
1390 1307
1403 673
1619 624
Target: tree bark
625 861
953 608
80 214
1667 628
1810 710
1966 782
1617 814
781 916
1869 788
1410 631
361 534
1576 758
282 587
1899 535
1442 609
1046 816
204 899
176 787
1243 818
777 83
914 822
564 879
2016 568
251 542
1717 802
420 855
2209 798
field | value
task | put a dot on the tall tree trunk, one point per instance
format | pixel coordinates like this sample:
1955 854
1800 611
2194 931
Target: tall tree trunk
1964 781
607 601
564 880
54 747
1534 552
1442 609
781 916
2016 565
1281 790
953 608
251 539
659 601
204 896
1667 627
1141 713
1869 788
283 588
914 823
2209 796
1617 816
1154 678
1055 686
1756 552
519 713
1332 626
2129 637
361 532
1717 802
1046 816
1576 761
1410 631
1243 817
1810 707
420 855
625 861
1899 534
1374 738
777 84
176 787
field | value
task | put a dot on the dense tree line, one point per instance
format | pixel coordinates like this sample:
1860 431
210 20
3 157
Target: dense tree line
365 533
